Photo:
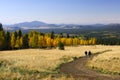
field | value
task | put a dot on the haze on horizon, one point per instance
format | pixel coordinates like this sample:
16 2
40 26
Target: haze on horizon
60 11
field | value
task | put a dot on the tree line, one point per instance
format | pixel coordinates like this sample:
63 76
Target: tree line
34 39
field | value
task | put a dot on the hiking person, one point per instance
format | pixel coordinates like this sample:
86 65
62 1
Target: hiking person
85 53
89 53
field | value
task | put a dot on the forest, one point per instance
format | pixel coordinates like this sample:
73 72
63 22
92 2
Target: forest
34 39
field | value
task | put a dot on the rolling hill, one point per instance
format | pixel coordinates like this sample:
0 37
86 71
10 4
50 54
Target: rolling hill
43 25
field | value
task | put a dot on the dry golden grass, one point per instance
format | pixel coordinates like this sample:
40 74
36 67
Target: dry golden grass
40 60
43 60
108 62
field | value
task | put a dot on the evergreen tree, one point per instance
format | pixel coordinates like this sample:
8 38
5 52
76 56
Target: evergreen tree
1 27
52 35
15 34
19 33
7 40
25 41
67 35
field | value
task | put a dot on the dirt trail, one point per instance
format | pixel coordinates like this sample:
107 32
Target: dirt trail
78 69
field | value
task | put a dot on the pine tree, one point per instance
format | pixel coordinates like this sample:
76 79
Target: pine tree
15 34
19 32
7 40
52 35
67 35
1 27
25 41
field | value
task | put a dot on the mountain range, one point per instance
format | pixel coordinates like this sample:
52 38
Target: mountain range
43 25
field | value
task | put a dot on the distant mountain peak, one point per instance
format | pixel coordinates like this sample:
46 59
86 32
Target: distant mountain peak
33 22
39 22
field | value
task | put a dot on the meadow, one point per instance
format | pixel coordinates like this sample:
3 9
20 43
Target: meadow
42 63
108 62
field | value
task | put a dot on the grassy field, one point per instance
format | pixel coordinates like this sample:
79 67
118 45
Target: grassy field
108 62
40 64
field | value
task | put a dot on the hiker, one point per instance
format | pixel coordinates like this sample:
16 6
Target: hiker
85 53
89 53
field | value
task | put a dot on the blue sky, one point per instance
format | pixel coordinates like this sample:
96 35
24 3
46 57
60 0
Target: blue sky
60 11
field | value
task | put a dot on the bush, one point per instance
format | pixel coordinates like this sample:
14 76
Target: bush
61 46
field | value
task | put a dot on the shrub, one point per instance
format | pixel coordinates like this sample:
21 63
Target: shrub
61 46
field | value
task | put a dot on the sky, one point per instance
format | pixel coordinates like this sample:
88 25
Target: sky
60 11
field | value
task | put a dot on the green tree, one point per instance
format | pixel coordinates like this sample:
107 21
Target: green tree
7 40
19 32
1 27
52 35
67 36
25 41
16 34
61 46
